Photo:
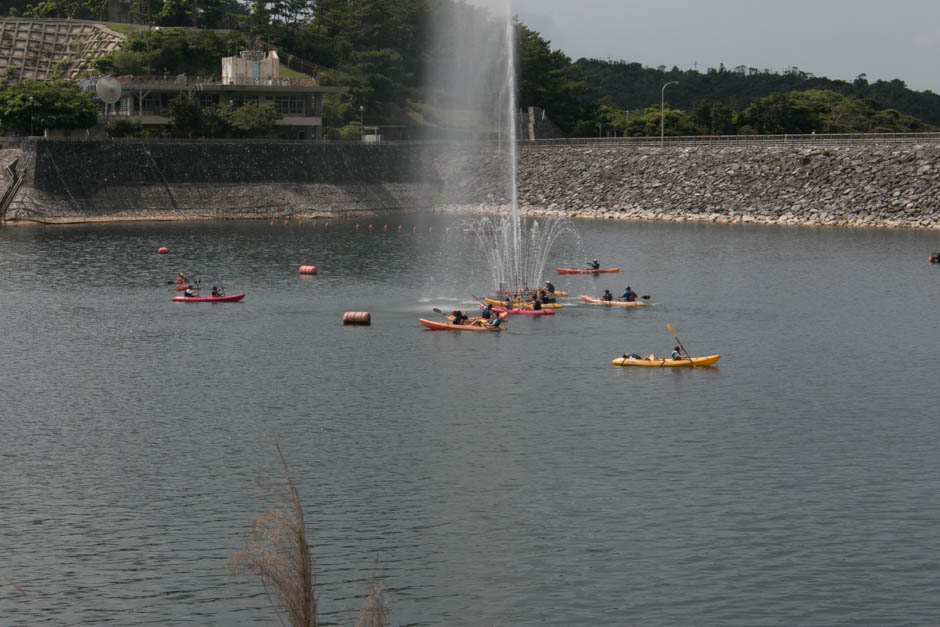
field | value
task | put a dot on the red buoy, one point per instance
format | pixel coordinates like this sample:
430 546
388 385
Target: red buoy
308 269
357 317
163 250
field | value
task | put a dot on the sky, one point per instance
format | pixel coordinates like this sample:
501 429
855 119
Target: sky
837 39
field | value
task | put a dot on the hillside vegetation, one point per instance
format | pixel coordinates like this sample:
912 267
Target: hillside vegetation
380 49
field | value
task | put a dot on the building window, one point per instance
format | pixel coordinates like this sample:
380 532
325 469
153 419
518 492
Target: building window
152 105
208 100
289 105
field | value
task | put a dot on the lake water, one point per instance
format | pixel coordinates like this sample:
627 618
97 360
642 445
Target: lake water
487 479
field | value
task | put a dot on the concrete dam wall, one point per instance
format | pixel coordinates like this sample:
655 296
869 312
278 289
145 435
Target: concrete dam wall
894 185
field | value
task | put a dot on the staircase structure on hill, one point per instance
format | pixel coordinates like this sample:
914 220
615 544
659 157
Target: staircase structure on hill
39 48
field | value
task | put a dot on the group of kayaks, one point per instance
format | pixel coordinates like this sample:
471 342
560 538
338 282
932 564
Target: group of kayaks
521 306
182 283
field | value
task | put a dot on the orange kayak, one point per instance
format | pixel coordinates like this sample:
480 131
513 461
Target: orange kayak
586 270
450 326
613 303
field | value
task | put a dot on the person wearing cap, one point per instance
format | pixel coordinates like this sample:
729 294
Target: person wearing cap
629 295
595 265
549 287
607 296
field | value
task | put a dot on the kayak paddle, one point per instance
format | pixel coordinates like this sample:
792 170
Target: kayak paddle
680 344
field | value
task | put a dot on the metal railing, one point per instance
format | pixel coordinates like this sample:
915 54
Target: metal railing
696 140
691 140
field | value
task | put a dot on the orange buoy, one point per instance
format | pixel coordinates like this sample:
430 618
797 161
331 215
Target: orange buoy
163 250
357 317
308 269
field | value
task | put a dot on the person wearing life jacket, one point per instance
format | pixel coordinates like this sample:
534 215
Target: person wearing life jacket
459 317
677 354
536 303
549 287
607 296
182 278
595 265
629 295
487 311
495 321
216 291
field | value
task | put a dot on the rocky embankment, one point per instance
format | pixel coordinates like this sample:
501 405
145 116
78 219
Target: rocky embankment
886 185
893 185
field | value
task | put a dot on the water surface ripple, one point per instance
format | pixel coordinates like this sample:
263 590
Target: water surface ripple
514 478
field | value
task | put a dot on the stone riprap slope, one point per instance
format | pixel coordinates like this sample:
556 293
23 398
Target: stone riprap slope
894 185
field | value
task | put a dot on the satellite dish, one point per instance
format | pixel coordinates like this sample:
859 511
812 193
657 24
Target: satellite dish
108 89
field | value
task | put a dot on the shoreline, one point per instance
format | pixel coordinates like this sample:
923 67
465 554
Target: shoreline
635 215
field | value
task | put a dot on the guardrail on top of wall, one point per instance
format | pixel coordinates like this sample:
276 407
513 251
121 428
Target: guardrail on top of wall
691 140
669 141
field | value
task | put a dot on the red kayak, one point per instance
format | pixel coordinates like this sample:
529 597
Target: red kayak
586 270
234 298
523 312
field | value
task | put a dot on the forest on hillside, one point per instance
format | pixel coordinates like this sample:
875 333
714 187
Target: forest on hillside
383 49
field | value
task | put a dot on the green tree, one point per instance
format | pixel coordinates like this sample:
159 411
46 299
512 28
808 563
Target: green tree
39 105
254 120
185 117
549 80
67 8
647 123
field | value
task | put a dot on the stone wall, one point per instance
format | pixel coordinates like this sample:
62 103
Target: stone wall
856 185
894 185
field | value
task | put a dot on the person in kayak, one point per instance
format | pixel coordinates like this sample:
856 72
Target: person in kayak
217 291
487 311
188 292
182 278
677 354
495 321
607 296
595 265
549 287
629 295
459 317
632 356
536 303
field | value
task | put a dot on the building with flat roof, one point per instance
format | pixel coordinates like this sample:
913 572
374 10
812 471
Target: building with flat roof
250 77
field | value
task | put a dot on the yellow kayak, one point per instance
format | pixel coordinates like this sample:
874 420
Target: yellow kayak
519 304
613 303
694 362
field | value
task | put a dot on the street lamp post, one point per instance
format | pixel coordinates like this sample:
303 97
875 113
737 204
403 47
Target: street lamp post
662 111
362 130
